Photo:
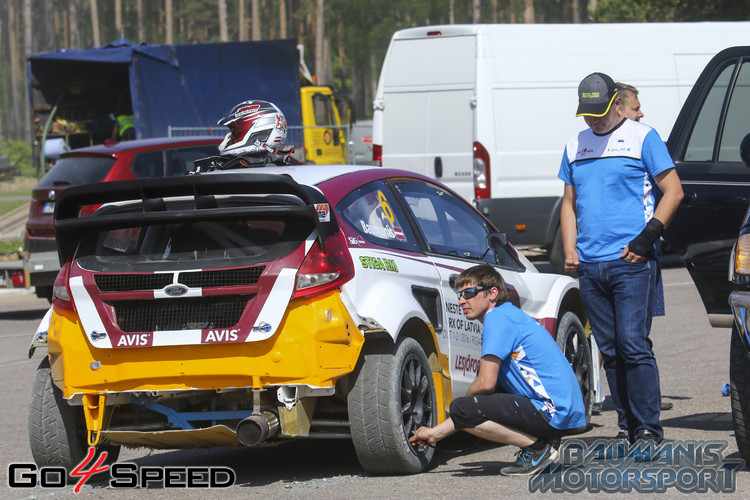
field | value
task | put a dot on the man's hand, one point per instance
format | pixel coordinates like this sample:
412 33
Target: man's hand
571 262
632 257
422 437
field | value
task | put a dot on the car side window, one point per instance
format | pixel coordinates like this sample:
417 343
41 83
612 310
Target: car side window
148 165
187 156
374 213
449 225
702 140
736 124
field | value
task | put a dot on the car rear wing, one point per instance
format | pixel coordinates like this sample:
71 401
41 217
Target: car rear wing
202 188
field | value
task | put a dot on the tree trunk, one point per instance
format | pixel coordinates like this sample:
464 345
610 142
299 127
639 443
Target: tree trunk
282 19
95 23
452 12
242 26
528 11
118 19
74 42
223 32
15 115
141 31
319 44
255 15
168 34
592 8
476 11
28 48
49 27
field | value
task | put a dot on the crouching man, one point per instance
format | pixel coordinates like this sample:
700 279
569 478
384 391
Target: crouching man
525 393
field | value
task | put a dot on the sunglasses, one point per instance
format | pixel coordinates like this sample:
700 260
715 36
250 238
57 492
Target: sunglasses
470 293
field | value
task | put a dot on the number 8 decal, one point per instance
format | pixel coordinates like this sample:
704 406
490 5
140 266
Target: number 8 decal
386 208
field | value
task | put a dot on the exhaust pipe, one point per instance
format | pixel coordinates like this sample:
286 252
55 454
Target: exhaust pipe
257 428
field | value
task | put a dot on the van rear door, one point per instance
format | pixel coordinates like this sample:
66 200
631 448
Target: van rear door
430 79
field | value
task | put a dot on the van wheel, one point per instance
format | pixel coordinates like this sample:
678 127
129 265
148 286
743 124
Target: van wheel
57 431
739 378
571 337
392 396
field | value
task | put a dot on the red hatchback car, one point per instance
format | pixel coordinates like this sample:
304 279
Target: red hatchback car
138 159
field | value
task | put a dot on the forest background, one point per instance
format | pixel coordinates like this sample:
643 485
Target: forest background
345 40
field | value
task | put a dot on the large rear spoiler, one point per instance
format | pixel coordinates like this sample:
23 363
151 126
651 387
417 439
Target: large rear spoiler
69 227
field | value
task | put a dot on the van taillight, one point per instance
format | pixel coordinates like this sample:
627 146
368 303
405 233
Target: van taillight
482 178
377 155
321 272
61 291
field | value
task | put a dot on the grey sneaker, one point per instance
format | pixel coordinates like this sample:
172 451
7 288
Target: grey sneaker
529 461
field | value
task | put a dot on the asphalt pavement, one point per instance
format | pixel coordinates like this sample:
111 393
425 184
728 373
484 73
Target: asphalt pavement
693 361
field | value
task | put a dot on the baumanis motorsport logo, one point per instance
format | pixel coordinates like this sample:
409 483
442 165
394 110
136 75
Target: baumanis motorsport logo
615 466
121 475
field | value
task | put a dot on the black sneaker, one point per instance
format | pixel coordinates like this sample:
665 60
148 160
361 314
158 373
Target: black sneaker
622 435
530 461
647 435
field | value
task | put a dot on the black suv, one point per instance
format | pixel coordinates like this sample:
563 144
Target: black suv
705 145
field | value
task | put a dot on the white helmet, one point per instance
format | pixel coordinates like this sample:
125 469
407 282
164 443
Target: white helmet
256 128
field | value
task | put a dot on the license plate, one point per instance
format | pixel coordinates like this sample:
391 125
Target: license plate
48 208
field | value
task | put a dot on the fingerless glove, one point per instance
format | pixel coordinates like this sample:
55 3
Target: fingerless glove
642 243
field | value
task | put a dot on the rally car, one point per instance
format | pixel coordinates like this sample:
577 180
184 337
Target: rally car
253 306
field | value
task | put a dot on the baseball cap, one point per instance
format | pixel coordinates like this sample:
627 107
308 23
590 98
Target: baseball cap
596 93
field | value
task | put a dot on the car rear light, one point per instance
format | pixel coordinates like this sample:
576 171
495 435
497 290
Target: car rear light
61 297
35 208
324 271
377 155
482 186
742 255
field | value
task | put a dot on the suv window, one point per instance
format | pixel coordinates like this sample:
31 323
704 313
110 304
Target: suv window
78 170
708 124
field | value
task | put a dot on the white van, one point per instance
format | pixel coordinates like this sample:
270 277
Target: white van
487 109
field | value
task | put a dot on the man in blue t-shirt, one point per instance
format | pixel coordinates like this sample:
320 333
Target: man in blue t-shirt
525 392
610 226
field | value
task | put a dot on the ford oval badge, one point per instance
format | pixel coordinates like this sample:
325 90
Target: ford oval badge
176 290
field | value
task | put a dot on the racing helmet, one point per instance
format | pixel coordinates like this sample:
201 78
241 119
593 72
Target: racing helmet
256 128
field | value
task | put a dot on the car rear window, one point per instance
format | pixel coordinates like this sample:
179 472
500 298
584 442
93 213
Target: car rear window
78 170
204 244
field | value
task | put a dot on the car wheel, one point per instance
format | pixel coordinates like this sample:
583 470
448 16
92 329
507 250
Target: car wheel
571 337
392 396
57 431
739 378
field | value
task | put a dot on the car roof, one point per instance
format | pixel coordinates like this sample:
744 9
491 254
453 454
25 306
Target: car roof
153 143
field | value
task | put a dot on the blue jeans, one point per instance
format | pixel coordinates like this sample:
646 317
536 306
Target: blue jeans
617 296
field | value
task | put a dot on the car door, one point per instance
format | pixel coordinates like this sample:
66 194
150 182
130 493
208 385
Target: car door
715 181
455 238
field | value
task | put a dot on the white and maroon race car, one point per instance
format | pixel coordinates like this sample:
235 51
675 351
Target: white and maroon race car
250 306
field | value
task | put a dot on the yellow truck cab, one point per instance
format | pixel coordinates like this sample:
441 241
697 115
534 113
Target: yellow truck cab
324 126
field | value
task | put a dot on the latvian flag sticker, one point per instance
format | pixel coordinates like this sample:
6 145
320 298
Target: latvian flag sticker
399 233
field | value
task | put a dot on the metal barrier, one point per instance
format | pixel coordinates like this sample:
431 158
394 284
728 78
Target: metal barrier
356 136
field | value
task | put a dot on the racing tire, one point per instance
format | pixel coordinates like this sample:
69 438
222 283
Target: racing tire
393 395
57 431
573 342
739 383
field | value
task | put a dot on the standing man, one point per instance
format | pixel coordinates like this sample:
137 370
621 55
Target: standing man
525 392
630 105
610 227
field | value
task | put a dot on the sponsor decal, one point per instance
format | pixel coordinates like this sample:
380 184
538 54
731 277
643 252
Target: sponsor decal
612 466
324 212
134 340
219 336
467 363
356 240
121 475
589 95
379 264
247 110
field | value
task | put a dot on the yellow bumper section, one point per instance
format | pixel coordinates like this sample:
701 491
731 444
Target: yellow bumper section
316 344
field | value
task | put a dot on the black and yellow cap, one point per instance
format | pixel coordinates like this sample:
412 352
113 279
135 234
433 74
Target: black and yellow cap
596 93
